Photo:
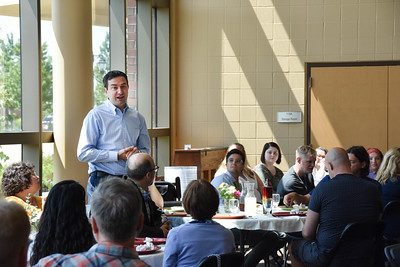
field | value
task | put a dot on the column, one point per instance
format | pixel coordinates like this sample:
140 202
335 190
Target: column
73 84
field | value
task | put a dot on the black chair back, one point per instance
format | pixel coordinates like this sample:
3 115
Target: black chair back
391 216
171 192
392 253
358 245
234 259
391 208
167 190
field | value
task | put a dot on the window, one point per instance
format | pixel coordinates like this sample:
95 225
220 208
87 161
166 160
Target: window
27 105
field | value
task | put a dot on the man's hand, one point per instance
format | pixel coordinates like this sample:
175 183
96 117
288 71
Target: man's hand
294 198
289 199
166 227
127 152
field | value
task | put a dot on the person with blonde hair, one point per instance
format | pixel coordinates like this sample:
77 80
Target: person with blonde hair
375 160
388 176
299 177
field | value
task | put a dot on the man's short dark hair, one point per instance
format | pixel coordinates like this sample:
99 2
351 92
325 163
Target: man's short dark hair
235 151
200 200
139 171
14 232
113 74
362 155
116 205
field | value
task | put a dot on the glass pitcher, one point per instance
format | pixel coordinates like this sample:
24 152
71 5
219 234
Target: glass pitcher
250 202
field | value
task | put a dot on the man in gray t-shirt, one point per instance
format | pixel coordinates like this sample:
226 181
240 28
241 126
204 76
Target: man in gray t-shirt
299 177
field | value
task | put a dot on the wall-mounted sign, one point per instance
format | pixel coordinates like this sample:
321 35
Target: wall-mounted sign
289 116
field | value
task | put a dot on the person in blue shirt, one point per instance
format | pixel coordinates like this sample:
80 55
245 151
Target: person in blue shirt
188 243
111 133
234 167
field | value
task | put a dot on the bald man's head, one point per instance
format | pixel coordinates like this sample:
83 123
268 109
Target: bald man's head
138 165
337 162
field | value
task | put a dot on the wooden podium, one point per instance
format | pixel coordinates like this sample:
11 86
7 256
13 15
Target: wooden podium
206 159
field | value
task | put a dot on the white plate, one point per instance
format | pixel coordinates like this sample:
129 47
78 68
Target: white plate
177 208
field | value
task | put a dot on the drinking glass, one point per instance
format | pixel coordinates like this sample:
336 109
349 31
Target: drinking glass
276 198
234 205
267 205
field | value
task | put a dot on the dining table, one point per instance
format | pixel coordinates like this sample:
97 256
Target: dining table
155 258
289 223
281 221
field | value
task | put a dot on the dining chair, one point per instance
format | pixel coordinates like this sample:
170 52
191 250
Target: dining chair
235 259
359 245
391 215
171 192
392 253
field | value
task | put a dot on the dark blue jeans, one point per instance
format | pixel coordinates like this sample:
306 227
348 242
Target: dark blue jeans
95 179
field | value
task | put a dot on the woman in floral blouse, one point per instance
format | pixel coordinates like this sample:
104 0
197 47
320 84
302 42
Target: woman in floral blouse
19 184
266 170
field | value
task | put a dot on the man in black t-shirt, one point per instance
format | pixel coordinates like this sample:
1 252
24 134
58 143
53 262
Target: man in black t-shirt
299 177
334 204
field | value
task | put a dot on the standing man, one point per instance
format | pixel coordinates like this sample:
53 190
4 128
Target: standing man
299 177
141 171
111 133
334 204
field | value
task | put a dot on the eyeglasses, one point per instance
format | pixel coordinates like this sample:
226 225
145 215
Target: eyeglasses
155 169
237 161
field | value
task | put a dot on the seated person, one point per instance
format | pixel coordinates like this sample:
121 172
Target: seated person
268 173
187 244
375 160
319 171
359 201
141 171
299 177
64 227
14 234
389 177
116 218
247 175
19 184
263 242
234 168
358 157
359 160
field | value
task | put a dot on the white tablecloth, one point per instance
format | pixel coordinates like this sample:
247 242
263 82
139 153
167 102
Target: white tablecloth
155 259
256 222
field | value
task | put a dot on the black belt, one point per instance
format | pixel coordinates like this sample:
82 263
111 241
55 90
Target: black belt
95 177
101 174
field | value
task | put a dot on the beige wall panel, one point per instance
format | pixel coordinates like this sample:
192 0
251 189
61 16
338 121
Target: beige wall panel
394 108
251 56
349 107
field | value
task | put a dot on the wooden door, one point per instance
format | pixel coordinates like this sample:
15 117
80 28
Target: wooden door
394 107
349 106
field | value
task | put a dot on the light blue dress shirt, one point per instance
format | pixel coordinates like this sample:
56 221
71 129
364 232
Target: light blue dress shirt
225 178
105 131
